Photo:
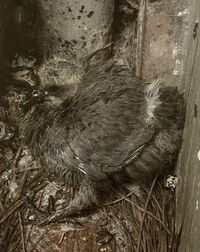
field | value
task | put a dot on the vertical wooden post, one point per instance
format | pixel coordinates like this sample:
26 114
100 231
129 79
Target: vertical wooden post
162 30
188 204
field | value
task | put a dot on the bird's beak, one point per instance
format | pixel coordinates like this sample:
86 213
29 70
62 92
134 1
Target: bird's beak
34 97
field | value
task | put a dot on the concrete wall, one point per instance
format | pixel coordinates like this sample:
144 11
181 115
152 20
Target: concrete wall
170 50
78 27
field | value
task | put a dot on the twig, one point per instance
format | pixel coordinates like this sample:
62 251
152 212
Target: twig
11 210
104 211
133 4
156 201
8 234
38 205
18 154
118 200
15 245
23 181
22 232
144 213
1 204
61 239
140 37
142 210
40 238
123 58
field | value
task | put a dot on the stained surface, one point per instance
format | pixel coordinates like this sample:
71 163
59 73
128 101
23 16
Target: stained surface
79 27
189 166
163 37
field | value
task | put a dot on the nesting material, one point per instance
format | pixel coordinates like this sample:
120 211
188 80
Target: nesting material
134 220
141 221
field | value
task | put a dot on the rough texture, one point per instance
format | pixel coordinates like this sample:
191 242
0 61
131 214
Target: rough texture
79 27
170 50
189 172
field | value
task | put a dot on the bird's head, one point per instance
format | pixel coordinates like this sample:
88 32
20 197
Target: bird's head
56 94
50 95
30 96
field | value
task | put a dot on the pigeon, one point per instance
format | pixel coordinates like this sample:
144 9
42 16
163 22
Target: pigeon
111 127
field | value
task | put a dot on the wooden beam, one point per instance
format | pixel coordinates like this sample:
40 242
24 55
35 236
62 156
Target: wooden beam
188 204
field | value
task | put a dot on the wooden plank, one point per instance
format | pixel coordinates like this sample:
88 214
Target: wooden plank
162 38
171 52
188 208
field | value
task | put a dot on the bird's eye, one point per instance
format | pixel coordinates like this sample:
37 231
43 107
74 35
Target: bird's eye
36 93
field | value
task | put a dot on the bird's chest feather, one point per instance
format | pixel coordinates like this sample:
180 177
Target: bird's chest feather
48 140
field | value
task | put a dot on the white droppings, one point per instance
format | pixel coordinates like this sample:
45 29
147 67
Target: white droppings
84 239
85 28
178 69
24 161
171 182
31 217
182 13
177 55
13 189
103 249
198 155
197 205
177 50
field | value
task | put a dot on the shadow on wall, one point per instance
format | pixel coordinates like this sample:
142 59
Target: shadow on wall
4 18
23 31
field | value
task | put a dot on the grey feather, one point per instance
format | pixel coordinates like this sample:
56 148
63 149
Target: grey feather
109 126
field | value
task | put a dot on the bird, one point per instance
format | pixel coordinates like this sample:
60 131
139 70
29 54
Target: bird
111 127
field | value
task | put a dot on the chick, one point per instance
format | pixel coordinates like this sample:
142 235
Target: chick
112 126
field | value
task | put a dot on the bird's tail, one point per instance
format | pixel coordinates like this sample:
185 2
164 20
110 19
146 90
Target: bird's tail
165 105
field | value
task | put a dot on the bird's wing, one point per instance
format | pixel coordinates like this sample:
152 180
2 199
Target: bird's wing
101 155
107 120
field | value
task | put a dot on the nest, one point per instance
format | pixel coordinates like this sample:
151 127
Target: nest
133 221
